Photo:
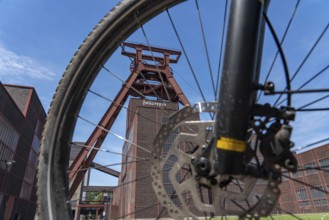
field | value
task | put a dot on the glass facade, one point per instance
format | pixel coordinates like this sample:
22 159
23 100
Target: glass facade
21 122
8 142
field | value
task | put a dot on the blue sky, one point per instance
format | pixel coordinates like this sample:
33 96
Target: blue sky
38 39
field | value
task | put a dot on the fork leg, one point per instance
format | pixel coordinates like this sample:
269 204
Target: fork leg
237 89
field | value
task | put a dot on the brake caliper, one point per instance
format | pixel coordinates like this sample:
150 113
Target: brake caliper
275 143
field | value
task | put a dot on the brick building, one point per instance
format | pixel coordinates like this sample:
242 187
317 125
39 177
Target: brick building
21 122
143 122
300 198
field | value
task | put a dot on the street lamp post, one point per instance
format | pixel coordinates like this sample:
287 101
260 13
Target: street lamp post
8 163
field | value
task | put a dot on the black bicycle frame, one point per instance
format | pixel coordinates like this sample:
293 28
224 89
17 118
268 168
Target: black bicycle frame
240 74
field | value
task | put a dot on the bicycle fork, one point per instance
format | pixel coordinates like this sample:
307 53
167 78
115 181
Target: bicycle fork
237 90
237 96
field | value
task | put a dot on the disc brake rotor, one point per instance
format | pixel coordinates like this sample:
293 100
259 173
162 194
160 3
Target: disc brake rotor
183 192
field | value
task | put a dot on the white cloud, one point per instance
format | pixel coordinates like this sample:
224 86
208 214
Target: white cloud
18 68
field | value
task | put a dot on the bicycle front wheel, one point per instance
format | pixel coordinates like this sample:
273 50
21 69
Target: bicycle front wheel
103 66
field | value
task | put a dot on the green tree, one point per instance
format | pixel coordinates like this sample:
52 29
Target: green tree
94 197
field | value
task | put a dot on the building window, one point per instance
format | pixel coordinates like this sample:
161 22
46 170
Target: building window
33 160
298 173
317 193
29 176
8 141
301 194
5 154
38 128
26 191
320 202
309 168
302 198
36 143
319 197
8 135
324 162
304 203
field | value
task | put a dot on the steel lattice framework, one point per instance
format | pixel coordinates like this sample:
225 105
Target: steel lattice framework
149 64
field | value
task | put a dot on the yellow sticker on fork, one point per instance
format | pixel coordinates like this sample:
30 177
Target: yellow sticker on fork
231 144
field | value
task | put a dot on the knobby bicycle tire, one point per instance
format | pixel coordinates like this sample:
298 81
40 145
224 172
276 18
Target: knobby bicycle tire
89 59
91 55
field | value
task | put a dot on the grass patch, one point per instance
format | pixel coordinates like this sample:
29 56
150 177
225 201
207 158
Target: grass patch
311 216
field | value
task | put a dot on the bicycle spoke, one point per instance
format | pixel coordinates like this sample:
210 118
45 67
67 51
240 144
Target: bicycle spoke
314 77
281 42
160 75
135 112
304 60
189 194
187 58
306 184
132 181
114 134
163 212
289 213
310 52
313 144
320 168
122 81
135 212
108 151
110 165
185 81
308 81
236 182
205 47
241 207
144 78
124 107
302 108
221 49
